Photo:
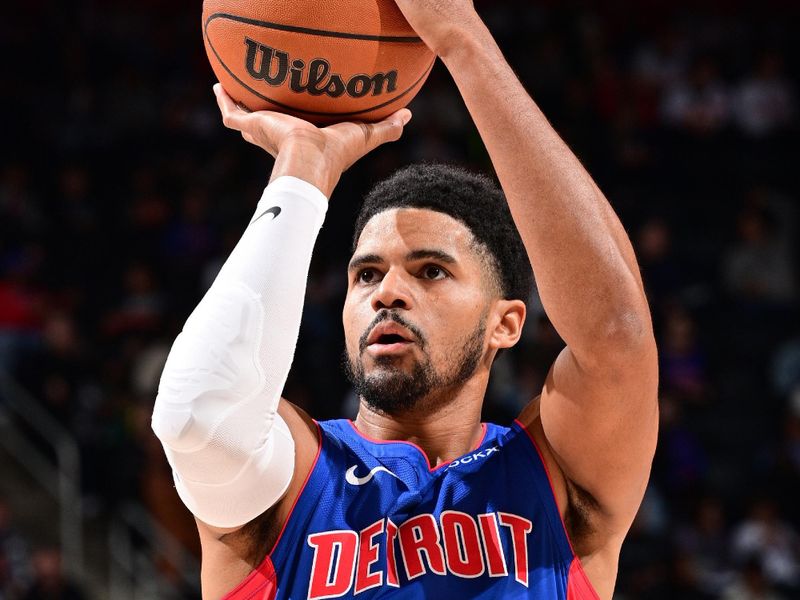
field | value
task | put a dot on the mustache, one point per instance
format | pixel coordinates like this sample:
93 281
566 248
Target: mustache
390 315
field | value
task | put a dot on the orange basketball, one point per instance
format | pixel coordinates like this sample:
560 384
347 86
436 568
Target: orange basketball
335 60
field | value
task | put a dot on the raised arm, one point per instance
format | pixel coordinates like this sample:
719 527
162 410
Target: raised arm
598 408
236 449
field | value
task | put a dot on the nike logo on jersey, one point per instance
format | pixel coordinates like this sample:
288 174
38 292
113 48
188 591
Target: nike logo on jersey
351 478
274 211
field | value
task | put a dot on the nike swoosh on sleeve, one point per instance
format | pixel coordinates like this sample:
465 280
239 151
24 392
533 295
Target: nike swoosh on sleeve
274 211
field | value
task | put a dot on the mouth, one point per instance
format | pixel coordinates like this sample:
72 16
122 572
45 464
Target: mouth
388 349
388 338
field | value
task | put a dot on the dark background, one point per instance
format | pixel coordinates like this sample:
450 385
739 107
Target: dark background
121 194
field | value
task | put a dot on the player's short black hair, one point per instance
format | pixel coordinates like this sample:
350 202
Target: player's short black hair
475 200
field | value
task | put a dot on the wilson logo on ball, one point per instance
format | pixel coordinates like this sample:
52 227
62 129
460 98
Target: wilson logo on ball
325 62
275 67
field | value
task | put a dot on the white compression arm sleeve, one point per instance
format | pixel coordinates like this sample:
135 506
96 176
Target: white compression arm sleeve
231 455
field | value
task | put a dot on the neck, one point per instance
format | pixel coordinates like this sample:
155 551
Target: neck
444 432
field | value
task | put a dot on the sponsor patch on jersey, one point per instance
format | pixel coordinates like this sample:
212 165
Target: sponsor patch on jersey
475 456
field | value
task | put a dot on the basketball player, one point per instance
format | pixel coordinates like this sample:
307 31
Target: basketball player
417 498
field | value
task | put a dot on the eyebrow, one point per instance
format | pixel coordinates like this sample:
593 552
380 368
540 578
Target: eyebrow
427 253
365 259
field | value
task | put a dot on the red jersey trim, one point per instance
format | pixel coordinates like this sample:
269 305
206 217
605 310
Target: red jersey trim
261 584
484 428
578 585
263 578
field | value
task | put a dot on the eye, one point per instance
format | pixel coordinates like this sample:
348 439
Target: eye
433 273
367 276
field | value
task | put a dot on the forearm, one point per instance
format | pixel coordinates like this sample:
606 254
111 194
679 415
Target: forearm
585 268
216 408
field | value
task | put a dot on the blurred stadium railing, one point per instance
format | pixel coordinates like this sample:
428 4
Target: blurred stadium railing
144 560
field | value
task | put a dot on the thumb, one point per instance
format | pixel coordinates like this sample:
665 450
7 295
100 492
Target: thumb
388 130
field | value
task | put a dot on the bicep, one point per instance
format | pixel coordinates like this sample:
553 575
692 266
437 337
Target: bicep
601 425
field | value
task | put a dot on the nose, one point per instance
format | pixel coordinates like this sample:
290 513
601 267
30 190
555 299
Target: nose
392 292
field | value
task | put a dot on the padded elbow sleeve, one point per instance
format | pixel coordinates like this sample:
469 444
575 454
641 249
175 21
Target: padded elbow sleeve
216 412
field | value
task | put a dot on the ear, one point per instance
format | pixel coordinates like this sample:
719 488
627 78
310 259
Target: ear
507 320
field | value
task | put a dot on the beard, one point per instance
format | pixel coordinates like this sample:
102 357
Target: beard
391 390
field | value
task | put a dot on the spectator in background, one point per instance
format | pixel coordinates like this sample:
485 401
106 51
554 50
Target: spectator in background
147 214
142 306
699 105
764 104
13 556
705 545
190 239
21 304
683 361
662 61
49 581
751 585
658 63
57 371
74 233
783 463
682 460
767 541
785 373
683 581
660 269
6 583
76 211
20 212
758 268
645 558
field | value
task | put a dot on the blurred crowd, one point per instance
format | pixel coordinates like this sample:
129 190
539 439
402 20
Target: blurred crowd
121 194
31 574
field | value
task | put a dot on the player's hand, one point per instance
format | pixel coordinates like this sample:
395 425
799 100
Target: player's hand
318 155
441 23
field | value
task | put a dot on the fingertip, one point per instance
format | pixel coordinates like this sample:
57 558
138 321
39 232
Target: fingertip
400 118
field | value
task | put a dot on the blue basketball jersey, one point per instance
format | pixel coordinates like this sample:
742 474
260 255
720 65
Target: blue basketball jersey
374 520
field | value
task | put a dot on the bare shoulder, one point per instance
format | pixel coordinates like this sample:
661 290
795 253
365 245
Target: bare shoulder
229 555
594 541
